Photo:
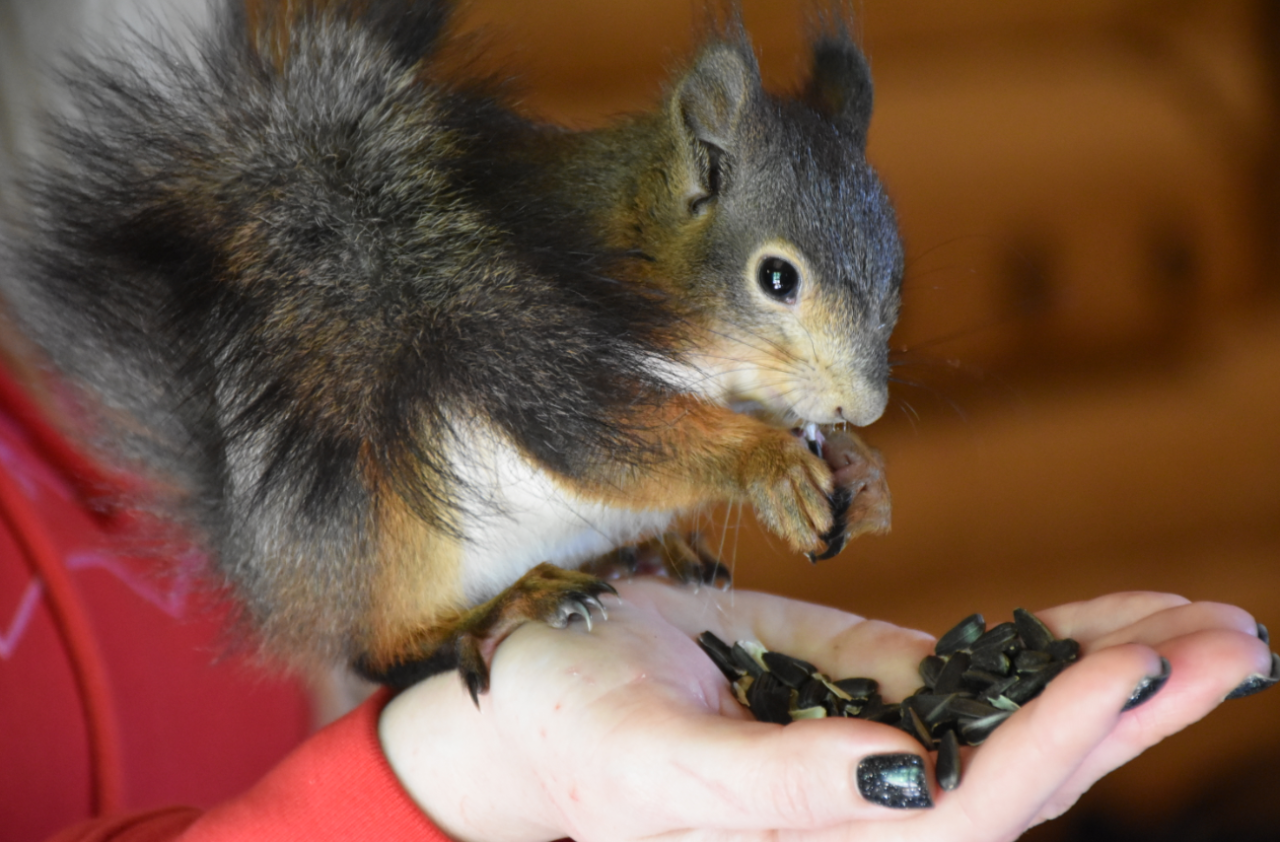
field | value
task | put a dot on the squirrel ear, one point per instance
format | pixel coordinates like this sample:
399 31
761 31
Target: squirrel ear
711 97
705 110
840 88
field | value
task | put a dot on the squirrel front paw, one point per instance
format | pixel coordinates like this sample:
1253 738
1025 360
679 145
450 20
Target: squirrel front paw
790 489
860 504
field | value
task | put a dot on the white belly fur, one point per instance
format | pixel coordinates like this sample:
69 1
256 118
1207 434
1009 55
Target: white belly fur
517 518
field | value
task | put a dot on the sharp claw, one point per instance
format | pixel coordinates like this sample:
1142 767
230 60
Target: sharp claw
838 535
472 668
475 686
835 543
576 607
592 602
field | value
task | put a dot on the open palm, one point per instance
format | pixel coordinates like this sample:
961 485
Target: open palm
628 731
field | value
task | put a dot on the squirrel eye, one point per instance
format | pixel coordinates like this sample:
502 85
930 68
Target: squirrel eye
778 278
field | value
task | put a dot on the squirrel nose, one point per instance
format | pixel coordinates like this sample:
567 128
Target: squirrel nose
869 406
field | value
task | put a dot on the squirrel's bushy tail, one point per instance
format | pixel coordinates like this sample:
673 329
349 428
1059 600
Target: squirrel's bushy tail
281 264
202 251
411 30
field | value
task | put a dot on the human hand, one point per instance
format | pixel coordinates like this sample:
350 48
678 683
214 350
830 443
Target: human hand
629 731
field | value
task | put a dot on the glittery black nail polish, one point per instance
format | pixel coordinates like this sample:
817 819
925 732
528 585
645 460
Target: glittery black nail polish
894 780
1148 686
1263 634
1257 683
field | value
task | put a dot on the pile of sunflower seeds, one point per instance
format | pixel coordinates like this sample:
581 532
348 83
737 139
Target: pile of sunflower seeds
974 681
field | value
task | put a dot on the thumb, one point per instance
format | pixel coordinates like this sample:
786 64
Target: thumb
721 773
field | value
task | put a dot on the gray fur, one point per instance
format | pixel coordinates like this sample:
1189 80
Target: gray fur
278 277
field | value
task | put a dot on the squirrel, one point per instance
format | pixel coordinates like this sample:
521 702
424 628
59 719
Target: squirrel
404 359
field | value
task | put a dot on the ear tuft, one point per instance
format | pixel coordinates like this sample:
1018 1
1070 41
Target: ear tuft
840 87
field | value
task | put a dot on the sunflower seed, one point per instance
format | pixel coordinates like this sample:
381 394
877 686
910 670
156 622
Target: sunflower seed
930 668
720 654
914 725
876 710
743 660
1034 634
1065 649
976 731
948 765
998 688
812 693
962 635
1030 684
951 678
1029 660
974 681
859 688
790 671
929 706
990 660
770 699
998 638
970 709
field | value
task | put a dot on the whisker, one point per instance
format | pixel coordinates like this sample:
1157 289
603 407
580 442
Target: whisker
769 343
745 366
955 407
974 373
911 283
733 558
724 532
964 332
916 258
909 412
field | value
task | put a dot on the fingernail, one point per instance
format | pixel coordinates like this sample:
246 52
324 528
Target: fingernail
1263 634
1257 683
894 780
1148 686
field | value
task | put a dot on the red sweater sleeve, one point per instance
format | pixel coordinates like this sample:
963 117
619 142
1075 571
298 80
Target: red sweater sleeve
336 786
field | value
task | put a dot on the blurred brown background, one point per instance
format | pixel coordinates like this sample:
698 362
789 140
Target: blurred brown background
1088 395
1089 357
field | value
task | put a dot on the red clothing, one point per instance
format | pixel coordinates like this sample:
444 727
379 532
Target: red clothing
117 694
336 786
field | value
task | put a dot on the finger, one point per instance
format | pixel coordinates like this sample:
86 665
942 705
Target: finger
1023 766
1205 667
869 649
840 644
716 771
1178 621
748 776
1091 619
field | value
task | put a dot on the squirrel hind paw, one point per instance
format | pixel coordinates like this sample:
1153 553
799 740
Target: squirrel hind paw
468 640
687 560
405 673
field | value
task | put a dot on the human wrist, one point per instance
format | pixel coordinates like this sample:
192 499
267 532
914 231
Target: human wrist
457 769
